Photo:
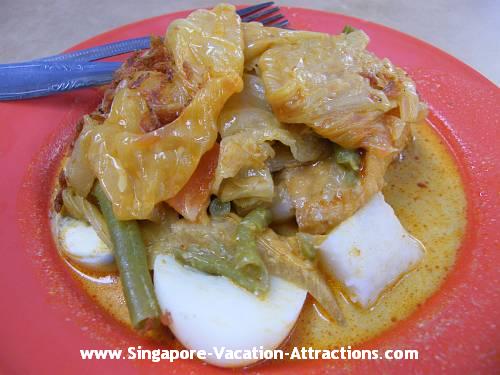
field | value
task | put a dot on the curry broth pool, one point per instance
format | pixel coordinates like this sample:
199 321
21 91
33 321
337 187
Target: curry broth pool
425 190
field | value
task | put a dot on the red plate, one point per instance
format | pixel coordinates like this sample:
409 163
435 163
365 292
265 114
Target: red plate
46 319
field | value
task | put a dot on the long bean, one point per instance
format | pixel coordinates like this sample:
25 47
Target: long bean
130 257
213 263
219 208
348 29
349 159
247 256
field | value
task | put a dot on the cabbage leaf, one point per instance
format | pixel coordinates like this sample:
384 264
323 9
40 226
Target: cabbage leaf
138 168
343 93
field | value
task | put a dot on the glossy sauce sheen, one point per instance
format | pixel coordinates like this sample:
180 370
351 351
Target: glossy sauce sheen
425 190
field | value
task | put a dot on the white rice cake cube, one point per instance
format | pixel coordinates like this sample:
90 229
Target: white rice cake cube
370 251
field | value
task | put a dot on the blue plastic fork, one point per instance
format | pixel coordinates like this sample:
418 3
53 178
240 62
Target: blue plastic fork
77 69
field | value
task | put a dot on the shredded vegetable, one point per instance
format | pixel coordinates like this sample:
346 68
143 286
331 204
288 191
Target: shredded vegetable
280 256
219 208
350 159
81 208
306 246
348 29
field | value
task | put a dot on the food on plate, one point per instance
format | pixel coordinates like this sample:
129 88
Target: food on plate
207 311
249 186
363 260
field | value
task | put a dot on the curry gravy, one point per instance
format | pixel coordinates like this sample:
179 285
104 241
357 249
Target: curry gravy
425 190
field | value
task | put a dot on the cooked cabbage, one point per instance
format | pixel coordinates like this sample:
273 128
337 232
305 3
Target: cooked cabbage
248 183
281 256
345 94
207 44
259 38
138 169
249 131
81 208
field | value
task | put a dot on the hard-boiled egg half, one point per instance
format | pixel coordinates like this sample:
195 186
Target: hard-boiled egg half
81 244
206 311
370 251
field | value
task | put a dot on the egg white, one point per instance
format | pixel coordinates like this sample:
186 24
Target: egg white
80 243
206 311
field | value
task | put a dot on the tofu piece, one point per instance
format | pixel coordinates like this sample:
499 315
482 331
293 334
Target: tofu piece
370 251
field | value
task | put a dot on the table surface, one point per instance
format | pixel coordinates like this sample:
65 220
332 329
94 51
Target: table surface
467 29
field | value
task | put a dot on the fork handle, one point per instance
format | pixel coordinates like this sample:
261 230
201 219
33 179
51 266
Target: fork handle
29 80
100 52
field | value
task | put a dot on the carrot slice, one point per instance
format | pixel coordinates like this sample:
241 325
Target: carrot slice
194 196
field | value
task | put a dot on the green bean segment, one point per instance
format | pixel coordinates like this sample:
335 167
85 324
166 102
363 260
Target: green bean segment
349 159
130 257
219 208
235 257
217 263
348 29
248 259
306 246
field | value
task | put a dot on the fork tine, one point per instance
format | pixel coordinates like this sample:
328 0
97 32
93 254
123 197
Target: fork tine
244 11
281 24
269 20
254 16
